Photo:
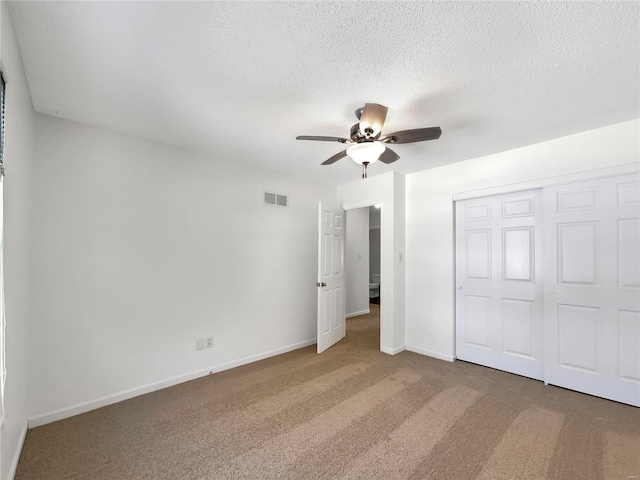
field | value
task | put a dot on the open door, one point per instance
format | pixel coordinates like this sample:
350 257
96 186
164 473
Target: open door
331 321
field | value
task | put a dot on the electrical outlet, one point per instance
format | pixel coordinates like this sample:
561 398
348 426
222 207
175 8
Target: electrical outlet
208 342
200 344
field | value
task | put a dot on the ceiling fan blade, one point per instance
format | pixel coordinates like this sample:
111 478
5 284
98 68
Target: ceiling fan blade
372 119
389 156
322 139
335 158
410 136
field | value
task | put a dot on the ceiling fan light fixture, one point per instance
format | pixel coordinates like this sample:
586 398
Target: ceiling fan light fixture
371 118
366 152
370 130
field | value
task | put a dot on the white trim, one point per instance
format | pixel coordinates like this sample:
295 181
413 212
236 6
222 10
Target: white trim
18 451
363 204
548 181
387 318
83 407
429 353
355 314
393 351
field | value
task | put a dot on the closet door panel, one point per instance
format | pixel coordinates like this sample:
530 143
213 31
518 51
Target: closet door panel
592 287
499 282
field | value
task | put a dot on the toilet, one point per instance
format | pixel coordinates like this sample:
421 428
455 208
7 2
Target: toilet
374 287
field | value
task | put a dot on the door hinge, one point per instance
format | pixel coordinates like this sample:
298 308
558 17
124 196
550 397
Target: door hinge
319 284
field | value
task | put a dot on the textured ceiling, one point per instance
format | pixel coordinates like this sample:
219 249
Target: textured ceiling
241 80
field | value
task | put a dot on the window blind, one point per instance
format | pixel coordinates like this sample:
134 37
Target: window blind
3 370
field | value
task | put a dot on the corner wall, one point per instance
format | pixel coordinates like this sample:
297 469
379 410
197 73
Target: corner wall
18 153
430 296
143 248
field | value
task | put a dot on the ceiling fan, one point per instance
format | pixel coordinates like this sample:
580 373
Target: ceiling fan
368 144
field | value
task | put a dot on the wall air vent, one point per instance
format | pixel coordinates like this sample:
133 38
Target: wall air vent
276 200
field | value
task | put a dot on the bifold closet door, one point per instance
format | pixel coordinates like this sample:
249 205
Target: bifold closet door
499 282
592 287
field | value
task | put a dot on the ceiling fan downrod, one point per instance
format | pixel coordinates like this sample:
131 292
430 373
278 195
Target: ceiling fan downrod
364 169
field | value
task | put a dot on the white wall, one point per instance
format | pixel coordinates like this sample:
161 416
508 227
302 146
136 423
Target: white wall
374 251
19 138
388 190
398 259
357 262
142 248
430 218
374 217
374 241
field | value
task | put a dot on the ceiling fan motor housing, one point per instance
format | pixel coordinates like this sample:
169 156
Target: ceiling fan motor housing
356 135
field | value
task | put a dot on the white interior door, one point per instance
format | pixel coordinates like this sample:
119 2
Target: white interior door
499 282
592 287
331 307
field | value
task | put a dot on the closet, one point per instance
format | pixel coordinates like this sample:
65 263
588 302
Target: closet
548 285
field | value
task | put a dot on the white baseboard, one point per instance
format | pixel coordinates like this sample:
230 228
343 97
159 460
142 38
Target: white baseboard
83 407
393 351
355 314
18 451
429 353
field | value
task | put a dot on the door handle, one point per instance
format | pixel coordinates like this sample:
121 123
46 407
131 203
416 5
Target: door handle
318 284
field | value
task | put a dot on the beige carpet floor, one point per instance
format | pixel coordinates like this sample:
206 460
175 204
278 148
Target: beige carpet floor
351 412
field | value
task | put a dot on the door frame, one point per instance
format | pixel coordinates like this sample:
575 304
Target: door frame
548 181
386 322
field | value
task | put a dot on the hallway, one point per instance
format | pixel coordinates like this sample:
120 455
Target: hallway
364 330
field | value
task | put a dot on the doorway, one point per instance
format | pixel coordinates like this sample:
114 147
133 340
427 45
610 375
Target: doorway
362 271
